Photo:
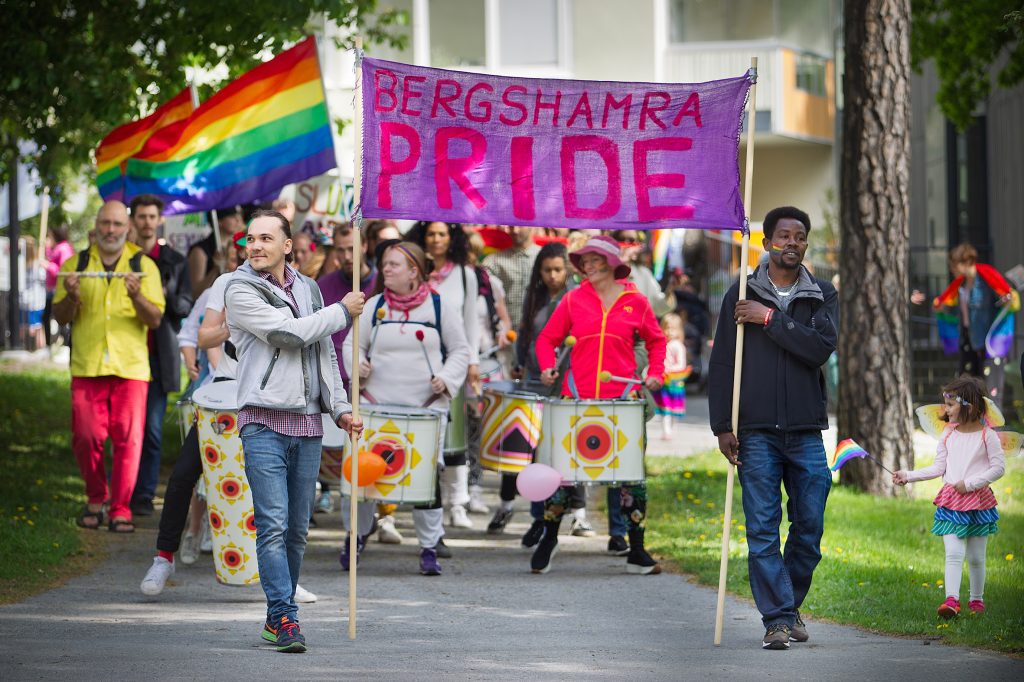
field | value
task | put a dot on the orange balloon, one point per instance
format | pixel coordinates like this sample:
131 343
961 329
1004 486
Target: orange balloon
371 467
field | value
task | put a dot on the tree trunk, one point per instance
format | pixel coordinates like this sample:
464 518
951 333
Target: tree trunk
874 369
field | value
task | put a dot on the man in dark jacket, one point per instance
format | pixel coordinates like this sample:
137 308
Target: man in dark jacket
790 333
164 360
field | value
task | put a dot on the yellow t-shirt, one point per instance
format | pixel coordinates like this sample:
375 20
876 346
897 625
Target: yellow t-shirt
107 336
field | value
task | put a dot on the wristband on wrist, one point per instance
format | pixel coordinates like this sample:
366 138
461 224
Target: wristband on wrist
768 316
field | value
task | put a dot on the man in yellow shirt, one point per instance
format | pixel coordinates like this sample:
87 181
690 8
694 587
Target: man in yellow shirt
111 316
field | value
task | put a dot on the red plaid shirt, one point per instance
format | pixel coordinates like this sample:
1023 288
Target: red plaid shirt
282 421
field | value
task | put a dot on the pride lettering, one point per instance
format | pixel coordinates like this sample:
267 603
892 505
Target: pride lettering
474 148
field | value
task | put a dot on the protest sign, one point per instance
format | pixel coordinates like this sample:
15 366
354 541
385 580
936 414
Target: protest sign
321 204
467 147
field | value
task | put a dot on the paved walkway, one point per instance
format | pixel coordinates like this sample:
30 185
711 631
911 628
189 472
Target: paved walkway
486 618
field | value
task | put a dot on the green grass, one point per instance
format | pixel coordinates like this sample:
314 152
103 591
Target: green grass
881 568
41 491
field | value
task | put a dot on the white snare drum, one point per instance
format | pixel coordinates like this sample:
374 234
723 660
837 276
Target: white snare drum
456 437
490 370
511 428
229 501
333 453
409 439
594 441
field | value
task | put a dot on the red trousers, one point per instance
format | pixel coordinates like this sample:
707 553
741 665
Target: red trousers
114 407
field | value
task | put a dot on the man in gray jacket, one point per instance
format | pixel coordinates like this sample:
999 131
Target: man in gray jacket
287 377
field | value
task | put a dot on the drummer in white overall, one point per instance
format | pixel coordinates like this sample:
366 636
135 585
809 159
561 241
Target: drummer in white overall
394 347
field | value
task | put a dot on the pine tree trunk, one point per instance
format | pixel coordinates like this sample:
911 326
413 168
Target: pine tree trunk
874 369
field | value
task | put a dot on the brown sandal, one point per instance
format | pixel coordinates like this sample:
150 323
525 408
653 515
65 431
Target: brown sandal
121 526
85 519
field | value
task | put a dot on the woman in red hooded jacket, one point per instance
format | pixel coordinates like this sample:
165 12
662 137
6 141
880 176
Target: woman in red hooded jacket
605 314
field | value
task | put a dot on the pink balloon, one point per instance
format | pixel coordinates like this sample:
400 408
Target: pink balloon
538 482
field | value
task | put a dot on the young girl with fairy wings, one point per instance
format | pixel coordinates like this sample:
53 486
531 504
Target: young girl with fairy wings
969 459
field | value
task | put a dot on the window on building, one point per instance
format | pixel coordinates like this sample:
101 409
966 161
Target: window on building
811 74
718 20
807 24
529 32
457 33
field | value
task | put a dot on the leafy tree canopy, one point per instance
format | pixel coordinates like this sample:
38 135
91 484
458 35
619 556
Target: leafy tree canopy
72 70
965 38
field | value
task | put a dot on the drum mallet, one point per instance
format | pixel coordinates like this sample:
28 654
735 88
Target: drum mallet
423 347
561 360
607 376
510 335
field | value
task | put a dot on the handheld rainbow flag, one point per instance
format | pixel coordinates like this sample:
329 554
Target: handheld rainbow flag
125 141
264 130
847 450
999 340
659 251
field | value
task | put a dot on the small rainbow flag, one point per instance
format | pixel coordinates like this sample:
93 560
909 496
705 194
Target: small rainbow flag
845 451
125 141
264 130
659 251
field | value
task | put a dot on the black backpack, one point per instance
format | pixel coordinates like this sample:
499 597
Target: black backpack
135 262
437 321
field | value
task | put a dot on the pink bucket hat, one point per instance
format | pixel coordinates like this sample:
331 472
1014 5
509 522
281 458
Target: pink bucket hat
602 246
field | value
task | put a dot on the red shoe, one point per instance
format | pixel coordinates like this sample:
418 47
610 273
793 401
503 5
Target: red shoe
950 608
976 606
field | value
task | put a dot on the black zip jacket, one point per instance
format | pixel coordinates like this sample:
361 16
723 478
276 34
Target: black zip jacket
783 386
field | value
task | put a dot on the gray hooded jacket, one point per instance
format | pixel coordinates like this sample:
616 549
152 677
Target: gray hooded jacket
273 369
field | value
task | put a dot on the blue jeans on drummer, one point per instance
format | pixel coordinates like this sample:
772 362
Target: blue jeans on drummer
616 521
282 472
770 459
152 448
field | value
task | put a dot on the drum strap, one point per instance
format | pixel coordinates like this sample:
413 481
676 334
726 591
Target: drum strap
436 298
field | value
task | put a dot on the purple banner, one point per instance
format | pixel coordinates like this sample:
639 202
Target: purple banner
474 148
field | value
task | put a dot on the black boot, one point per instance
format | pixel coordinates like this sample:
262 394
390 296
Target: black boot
547 548
639 561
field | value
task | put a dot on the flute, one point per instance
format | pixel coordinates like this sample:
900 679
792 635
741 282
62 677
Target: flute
92 274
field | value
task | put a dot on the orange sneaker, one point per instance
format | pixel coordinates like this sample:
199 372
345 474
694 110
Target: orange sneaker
950 608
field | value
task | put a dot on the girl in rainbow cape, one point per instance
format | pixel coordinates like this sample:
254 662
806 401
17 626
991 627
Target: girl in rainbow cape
969 458
976 311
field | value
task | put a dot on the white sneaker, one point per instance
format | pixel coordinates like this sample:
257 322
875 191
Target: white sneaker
156 576
459 517
476 503
386 531
304 596
206 544
188 553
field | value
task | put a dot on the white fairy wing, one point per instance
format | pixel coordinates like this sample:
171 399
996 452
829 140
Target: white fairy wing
1012 442
930 419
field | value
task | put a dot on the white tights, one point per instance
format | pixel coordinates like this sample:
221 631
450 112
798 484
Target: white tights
974 549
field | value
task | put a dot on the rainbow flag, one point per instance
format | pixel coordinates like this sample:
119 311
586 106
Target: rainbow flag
845 451
264 130
659 250
125 141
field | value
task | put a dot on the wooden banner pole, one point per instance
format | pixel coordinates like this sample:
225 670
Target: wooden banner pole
357 265
748 187
44 219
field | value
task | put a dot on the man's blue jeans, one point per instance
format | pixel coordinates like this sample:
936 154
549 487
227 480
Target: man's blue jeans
768 460
282 473
152 443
